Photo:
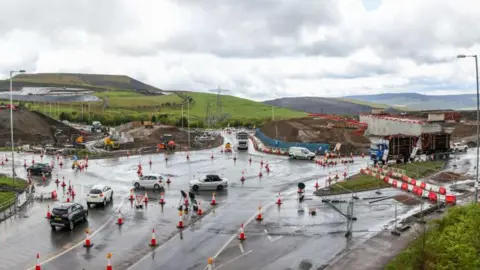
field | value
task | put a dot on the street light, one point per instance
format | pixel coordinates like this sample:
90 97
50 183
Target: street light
478 119
11 120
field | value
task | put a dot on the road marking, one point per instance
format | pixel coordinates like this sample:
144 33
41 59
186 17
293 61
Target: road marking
241 248
269 237
276 238
232 260
109 221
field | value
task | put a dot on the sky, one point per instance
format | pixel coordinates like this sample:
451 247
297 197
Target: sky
257 49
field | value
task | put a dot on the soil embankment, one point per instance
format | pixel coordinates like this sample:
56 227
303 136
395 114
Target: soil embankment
317 130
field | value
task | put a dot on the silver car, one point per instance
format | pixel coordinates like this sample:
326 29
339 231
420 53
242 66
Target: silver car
209 182
154 181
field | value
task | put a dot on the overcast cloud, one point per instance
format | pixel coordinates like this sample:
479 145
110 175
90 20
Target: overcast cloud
257 49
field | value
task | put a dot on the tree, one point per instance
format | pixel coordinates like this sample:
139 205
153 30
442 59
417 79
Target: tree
182 122
154 119
64 116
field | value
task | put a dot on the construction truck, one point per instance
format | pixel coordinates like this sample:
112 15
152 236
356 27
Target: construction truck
168 143
111 142
148 124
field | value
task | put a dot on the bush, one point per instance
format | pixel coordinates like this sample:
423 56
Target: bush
452 243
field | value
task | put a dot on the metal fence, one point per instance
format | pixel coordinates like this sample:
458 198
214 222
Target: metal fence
10 208
318 148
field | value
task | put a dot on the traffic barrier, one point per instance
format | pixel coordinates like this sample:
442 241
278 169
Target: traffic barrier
259 216
88 243
153 241
109 262
37 264
431 195
241 235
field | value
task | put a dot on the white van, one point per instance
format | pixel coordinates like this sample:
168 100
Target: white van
300 153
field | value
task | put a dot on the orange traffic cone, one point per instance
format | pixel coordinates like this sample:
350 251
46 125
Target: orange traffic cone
317 185
49 215
88 243
242 236
68 197
25 163
153 241
109 262
180 222
260 174
120 218
279 200
37 265
145 200
210 264
259 214
162 199
199 211
214 202
132 197
243 176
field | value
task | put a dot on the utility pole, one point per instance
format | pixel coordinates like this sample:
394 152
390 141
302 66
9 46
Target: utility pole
188 122
219 100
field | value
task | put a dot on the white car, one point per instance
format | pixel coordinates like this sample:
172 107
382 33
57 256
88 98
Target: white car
154 181
300 153
459 147
209 182
100 194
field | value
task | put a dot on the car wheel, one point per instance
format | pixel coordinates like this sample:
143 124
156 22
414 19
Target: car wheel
53 228
156 187
85 219
137 185
219 188
104 202
71 225
111 197
195 188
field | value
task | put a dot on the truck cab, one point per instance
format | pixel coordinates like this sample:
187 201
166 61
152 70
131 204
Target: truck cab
377 152
242 140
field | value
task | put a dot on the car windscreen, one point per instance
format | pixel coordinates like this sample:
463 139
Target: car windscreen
59 211
95 191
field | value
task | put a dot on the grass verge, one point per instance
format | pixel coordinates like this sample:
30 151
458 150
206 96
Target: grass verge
8 190
420 170
356 183
452 242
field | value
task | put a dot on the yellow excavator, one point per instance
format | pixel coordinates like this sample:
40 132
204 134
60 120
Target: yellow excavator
111 142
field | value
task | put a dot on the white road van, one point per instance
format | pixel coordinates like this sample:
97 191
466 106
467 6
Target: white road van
300 153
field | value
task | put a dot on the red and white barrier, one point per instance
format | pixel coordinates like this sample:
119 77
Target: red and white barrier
419 188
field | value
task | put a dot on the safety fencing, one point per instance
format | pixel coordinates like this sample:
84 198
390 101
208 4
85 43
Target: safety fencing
401 181
278 145
11 207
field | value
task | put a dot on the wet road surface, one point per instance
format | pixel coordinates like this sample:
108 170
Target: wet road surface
283 239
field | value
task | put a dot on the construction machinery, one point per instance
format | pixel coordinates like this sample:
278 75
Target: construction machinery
148 124
168 143
79 142
111 142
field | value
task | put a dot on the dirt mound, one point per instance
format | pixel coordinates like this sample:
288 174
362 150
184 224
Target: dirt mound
405 199
31 128
464 130
315 131
448 177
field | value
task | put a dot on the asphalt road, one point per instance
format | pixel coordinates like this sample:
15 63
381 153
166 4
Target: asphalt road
285 239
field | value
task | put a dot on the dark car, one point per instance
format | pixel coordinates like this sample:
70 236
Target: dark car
67 215
39 168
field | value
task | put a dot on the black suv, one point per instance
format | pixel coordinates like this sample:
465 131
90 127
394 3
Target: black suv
67 214
39 168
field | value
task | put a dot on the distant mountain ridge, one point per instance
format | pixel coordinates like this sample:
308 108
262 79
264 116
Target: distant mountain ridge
416 101
321 105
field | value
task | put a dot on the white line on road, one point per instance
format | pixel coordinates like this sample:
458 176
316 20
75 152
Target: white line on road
109 221
269 237
241 248
232 260
273 240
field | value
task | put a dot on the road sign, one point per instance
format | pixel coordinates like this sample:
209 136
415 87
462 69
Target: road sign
139 198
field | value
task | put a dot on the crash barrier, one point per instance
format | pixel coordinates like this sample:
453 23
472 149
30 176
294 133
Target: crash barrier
411 187
11 207
269 142
259 146
401 174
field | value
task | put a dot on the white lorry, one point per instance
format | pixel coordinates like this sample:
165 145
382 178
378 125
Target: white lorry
242 140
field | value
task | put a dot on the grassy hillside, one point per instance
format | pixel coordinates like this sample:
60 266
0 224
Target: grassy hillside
98 82
321 105
119 107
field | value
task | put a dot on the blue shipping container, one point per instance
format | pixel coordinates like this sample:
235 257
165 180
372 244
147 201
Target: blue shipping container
318 148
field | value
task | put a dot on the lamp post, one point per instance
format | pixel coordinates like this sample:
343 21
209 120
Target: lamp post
478 119
11 120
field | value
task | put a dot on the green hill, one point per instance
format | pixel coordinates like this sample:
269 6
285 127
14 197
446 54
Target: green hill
96 82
